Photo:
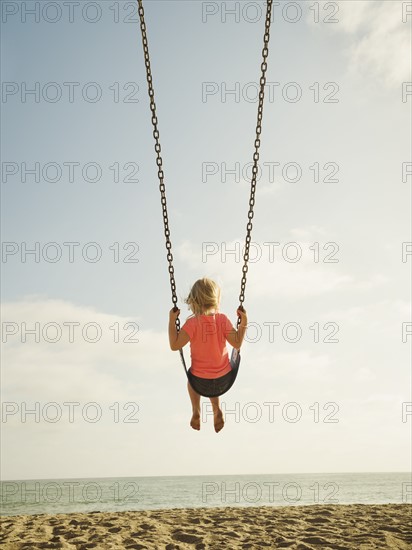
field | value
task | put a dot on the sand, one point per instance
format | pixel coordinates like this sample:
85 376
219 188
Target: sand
338 526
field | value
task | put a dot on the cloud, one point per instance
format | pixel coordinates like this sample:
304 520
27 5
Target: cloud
379 41
364 374
148 374
272 271
381 319
297 366
127 381
118 366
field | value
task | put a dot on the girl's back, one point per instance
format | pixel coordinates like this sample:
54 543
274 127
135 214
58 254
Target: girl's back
209 355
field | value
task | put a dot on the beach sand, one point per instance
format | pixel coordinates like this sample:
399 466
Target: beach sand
337 526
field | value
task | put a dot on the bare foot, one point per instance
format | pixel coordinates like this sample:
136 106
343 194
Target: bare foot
195 421
218 418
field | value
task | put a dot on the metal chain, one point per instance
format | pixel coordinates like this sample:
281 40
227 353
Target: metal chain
249 225
159 160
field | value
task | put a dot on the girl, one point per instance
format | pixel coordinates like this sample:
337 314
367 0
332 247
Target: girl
207 330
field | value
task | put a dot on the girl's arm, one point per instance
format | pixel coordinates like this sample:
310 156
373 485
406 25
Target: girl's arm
176 339
235 337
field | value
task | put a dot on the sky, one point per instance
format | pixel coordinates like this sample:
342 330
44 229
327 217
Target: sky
324 383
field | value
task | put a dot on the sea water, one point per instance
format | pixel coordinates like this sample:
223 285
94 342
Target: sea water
53 496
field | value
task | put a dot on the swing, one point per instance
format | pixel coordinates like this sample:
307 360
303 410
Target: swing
204 386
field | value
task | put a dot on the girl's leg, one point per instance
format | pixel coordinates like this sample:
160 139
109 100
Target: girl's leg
217 414
195 399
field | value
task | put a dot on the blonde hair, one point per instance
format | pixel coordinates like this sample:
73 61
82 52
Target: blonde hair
203 296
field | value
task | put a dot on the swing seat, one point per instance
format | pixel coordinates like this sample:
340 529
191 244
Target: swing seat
214 387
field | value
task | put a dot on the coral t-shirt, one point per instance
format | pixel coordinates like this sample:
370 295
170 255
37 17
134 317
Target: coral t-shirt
209 355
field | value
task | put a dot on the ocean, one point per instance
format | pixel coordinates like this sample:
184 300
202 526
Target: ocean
53 496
